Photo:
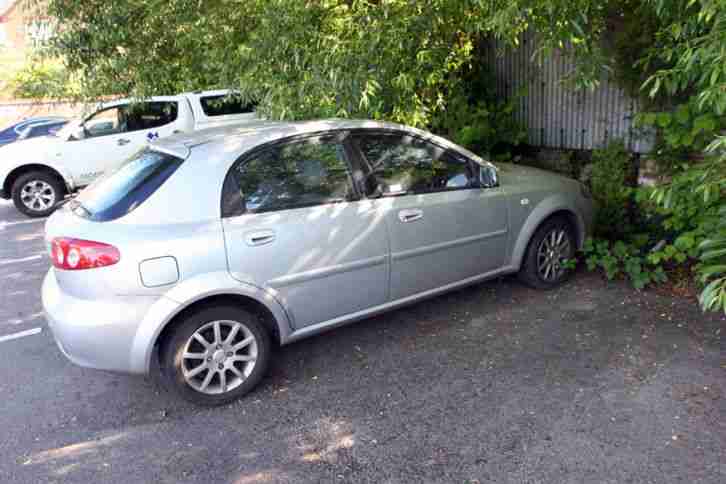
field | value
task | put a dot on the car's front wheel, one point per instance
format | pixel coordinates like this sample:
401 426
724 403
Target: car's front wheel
545 262
216 355
36 193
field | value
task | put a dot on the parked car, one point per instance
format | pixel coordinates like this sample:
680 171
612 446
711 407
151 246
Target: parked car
31 128
205 249
39 172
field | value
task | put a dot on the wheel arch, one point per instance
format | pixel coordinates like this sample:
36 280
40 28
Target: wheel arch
173 307
15 173
545 211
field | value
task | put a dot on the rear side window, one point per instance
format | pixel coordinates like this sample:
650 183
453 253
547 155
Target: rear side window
224 105
117 194
300 174
151 115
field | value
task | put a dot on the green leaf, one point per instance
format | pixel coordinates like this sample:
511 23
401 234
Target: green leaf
683 114
712 244
687 140
709 271
707 297
704 123
685 242
712 254
664 119
648 119
673 138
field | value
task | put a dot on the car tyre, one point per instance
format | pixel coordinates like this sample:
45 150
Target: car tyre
206 339
551 244
37 193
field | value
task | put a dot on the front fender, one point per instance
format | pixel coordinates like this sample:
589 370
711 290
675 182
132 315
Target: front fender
187 293
554 203
24 153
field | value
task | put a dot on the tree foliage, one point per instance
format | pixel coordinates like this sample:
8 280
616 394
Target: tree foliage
392 59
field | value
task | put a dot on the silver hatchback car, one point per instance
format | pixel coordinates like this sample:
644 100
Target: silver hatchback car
206 249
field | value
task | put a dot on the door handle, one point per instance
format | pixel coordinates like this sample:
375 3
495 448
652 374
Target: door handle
123 141
410 215
262 237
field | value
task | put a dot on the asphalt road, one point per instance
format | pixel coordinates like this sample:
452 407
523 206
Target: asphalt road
592 382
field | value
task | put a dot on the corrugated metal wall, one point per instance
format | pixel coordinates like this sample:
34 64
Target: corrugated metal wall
557 116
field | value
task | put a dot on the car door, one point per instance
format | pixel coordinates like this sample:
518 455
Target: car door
444 226
112 135
294 225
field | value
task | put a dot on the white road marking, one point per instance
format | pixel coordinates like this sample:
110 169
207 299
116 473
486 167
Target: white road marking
24 259
3 225
21 334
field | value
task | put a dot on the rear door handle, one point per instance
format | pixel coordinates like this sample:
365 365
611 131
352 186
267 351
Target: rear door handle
410 215
262 237
123 141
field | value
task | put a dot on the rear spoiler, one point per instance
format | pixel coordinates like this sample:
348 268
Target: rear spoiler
174 149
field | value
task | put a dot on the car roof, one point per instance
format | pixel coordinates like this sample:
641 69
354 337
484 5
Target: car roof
240 138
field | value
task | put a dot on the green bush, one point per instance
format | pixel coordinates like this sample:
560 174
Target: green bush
486 128
613 198
683 131
624 258
476 118
44 79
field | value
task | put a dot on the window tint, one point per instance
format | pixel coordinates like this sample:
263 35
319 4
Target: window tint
151 115
118 193
406 165
134 117
41 129
106 122
301 174
223 105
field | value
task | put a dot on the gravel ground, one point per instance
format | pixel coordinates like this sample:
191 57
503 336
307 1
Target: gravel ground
593 382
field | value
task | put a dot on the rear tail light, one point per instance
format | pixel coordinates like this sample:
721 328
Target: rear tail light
76 254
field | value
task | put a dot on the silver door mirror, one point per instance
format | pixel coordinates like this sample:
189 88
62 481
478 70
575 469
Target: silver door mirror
488 177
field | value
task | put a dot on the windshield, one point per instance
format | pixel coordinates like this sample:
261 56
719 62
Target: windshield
120 192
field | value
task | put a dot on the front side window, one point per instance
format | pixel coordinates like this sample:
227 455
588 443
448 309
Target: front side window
107 122
404 165
128 118
300 174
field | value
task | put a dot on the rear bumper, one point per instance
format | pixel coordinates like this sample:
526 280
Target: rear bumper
95 333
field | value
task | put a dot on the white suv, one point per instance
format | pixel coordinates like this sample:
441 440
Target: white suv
37 173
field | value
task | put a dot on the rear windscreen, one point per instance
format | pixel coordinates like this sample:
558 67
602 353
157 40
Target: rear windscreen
116 194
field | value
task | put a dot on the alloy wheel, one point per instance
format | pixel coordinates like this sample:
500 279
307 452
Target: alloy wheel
38 195
554 249
219 357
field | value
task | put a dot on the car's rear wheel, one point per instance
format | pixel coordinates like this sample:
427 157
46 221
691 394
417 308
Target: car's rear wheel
544 264
216 355
36 193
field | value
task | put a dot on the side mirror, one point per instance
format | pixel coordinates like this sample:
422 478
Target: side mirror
488 177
